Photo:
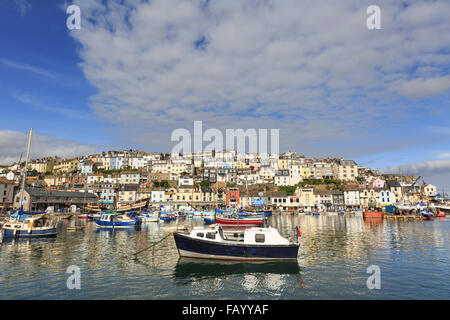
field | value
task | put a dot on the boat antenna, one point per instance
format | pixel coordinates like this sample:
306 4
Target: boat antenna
25 170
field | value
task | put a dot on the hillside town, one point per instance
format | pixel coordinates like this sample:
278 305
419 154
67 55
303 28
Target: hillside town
134 179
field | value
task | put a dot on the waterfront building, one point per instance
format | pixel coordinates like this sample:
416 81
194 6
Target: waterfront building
157 195
396 190
306 198
39 199
323 199
351 198
369 197
338 200
386 197
233 197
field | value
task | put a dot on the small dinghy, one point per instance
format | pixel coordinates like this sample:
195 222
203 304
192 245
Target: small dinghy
251 244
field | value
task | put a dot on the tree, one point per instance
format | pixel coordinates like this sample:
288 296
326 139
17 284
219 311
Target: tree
205 184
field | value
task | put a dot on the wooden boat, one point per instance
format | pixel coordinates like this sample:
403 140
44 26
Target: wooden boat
254 244
239 222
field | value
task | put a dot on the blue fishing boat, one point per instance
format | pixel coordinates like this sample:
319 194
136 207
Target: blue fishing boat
111 219
166 216
26 225
251 244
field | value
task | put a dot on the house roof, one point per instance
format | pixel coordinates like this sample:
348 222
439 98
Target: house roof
41 192
393 184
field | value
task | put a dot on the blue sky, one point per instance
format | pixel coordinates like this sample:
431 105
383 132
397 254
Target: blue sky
137 71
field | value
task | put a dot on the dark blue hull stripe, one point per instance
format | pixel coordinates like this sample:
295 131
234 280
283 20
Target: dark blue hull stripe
25 233
210 249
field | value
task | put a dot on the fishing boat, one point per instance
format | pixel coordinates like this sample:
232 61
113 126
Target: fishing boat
23 225
252 244
111 219
166 216
373 214
83 216
91 217
239 222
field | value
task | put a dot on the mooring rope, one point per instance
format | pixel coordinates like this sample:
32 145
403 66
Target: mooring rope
153 244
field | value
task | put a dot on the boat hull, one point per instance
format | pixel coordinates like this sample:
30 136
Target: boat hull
115 224
373 214
196 248
24 233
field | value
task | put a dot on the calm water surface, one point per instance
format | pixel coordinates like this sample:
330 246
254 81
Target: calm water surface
335 252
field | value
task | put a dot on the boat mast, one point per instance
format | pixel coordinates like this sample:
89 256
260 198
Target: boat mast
25 169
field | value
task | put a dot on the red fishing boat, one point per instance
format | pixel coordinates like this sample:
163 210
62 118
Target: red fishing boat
373 214
242 222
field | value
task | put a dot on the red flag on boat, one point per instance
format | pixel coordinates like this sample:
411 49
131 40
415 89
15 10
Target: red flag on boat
299 233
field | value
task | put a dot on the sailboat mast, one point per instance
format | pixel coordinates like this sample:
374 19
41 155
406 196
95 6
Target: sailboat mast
25 169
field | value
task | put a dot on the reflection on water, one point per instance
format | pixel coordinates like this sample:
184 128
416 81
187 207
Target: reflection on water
335 251
193 269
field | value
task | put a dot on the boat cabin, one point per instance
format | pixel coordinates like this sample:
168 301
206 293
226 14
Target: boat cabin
254 236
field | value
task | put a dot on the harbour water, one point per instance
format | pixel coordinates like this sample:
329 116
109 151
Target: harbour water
335 252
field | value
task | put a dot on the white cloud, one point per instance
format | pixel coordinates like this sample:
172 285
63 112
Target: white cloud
26 67
311 68
419 88
14 143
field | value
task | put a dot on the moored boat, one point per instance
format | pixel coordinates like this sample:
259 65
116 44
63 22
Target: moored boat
251 244
28 226
111 219
373 214
239 222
